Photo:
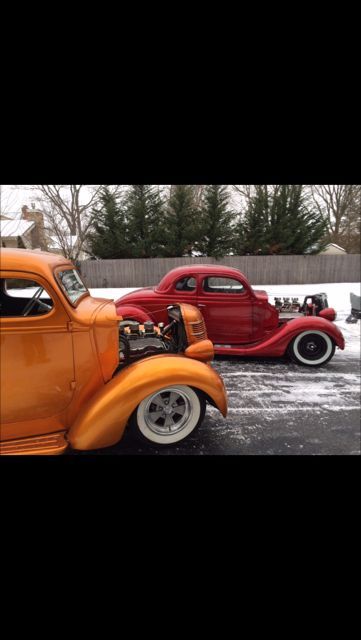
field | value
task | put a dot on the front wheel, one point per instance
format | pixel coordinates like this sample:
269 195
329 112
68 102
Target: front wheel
312 348
168 415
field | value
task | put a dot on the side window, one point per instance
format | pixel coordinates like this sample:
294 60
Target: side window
186 284
20 297
222 285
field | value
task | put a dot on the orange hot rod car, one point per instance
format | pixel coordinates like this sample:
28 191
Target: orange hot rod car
74 374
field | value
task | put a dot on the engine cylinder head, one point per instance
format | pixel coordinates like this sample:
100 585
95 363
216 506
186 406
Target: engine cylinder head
149 326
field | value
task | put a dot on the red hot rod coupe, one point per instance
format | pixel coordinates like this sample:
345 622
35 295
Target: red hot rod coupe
240 320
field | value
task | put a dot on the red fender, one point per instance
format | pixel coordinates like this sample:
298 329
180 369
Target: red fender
132 311
277 343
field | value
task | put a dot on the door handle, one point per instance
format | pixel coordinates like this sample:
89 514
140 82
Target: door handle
201 305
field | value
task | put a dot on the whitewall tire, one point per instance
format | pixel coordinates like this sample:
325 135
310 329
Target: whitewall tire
169 415
312 348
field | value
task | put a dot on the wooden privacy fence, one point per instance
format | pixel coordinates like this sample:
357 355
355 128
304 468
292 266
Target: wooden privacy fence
258 269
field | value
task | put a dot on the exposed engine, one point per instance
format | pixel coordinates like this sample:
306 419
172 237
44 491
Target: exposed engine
311 306
138 341
286 305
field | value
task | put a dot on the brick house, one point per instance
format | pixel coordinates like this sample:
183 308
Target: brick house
23 230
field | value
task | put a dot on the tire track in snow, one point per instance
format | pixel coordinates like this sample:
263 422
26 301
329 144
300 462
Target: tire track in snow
258 389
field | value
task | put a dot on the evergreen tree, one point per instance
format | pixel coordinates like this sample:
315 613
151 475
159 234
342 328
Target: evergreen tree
294 225
251 229
182 224
108 238
280 220
217 220
145 220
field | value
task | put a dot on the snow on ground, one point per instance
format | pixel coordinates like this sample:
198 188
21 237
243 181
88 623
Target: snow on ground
111 293
338 295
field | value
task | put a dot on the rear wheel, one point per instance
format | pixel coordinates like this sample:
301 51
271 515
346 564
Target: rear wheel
312 348
168 415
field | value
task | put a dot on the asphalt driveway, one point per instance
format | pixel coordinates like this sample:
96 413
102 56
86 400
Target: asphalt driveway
275 407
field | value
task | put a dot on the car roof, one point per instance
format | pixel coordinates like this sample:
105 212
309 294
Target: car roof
189 269
32 261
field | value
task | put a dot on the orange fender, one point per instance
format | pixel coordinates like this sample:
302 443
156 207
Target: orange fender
103 421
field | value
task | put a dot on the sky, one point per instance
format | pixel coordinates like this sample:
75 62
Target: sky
13 197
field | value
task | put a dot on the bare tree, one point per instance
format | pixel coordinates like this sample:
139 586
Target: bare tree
352 226
241 197
198 194
66 210
340 204
7 199
244 190
198 190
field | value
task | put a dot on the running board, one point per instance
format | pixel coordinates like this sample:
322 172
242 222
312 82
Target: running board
231 349
47 445
251 350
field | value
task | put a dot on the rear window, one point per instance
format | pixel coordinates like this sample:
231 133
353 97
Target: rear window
72 284
186 284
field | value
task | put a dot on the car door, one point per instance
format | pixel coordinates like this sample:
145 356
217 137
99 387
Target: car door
226 305
37 370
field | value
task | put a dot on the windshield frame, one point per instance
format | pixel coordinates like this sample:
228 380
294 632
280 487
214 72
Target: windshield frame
63 288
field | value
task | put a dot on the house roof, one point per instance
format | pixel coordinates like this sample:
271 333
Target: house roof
54 242
13 216
15 228
332 244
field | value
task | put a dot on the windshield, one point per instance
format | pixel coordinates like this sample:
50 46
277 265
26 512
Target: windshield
72 284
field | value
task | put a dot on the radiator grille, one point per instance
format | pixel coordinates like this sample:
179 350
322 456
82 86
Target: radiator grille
198 330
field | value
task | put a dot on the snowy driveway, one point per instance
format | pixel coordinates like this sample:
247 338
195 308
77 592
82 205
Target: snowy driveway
277 407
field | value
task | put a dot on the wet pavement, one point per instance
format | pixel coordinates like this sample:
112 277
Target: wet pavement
275 408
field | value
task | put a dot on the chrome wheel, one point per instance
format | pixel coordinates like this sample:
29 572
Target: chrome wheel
169 415
167 412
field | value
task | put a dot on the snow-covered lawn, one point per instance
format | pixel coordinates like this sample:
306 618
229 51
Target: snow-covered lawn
338 295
